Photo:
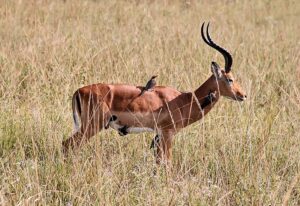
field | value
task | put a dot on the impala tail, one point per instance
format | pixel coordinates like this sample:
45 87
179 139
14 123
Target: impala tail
76 110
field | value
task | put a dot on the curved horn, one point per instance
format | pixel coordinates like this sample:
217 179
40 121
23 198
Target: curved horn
209 41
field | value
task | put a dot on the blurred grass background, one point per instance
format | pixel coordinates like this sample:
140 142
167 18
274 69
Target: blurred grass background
240 154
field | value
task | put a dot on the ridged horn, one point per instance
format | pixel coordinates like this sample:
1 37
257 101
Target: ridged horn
227 56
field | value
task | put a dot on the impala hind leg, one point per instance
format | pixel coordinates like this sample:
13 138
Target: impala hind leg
80 137
91 123
112 119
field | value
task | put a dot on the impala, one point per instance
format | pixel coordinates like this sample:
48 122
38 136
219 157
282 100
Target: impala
164 110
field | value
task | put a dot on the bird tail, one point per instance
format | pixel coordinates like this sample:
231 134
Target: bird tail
142 92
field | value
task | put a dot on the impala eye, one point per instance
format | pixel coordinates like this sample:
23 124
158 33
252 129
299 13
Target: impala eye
229 81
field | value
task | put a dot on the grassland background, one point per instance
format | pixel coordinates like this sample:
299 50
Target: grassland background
240 154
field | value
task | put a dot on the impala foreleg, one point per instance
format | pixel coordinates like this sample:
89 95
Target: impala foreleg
155 142
164 149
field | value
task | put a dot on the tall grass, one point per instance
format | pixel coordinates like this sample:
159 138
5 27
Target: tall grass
240 154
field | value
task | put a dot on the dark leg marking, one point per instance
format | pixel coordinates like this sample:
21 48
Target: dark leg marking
111 119
123 131
154 142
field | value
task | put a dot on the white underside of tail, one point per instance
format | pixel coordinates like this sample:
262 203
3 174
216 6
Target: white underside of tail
76 121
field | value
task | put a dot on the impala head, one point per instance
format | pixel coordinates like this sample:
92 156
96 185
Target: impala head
227 85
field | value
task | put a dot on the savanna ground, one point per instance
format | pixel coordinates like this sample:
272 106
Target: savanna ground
240 154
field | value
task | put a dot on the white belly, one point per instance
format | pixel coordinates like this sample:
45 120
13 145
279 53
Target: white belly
139 129
116 126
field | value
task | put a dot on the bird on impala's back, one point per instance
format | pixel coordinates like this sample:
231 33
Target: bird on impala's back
150 84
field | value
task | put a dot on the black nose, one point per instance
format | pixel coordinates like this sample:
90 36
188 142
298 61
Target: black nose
245 96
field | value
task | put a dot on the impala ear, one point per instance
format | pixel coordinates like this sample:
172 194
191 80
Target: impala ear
216 70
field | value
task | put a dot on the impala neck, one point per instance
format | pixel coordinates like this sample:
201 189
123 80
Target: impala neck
202 93
207 87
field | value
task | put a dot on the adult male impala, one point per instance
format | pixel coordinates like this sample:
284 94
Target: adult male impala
164 110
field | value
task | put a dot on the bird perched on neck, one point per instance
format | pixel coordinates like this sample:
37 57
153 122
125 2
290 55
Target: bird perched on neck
150 84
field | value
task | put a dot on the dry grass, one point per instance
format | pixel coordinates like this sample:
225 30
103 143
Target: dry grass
240 154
